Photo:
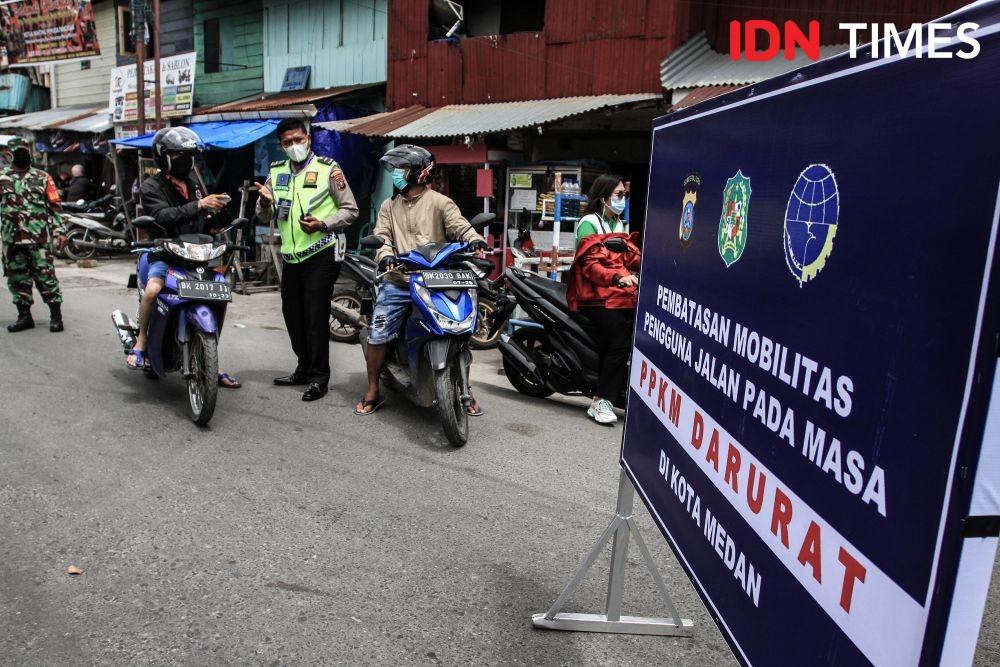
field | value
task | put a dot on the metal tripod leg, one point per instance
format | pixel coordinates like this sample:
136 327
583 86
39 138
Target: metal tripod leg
621 528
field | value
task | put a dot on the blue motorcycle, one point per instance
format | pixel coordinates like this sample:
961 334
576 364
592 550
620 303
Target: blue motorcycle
428 362
184 326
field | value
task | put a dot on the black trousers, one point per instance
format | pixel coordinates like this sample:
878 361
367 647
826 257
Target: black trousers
614 328
306 290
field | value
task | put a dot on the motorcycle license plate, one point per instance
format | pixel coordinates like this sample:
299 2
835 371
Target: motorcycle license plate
204 290
448 279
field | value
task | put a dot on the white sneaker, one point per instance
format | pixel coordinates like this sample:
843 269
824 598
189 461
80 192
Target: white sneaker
602 412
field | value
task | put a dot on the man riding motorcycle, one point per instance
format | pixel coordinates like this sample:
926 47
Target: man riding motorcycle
413 216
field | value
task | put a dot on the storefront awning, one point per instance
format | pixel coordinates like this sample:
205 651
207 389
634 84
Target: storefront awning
60 118
291 103
457 120
219 134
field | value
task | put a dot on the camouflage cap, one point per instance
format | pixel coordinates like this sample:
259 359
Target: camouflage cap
18 142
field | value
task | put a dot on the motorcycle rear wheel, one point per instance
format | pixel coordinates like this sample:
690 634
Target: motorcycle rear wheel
481 340
448 392
74 253
534 342
203 385
343 332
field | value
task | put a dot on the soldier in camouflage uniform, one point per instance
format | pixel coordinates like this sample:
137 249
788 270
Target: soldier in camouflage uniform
29 220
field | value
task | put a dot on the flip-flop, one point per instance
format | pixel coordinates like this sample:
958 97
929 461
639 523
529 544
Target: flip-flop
228 381
474 411
375 404
140 359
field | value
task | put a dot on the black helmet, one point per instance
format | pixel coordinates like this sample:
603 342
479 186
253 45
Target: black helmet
174 140
419 161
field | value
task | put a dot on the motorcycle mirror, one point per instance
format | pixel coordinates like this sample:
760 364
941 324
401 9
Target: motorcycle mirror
616 244
372 241
481 220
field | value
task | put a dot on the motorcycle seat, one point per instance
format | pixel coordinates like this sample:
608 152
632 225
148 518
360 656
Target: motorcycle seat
550 289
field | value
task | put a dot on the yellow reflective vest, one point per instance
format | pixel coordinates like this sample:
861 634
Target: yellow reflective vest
297 195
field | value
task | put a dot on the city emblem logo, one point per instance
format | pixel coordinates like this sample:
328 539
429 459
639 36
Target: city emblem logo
733 223
811 222
691 185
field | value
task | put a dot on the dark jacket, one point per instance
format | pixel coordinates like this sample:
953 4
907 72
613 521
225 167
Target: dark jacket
173 212
80 187
595 271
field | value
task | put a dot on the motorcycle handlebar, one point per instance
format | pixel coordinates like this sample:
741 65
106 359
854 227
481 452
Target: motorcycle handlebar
144 244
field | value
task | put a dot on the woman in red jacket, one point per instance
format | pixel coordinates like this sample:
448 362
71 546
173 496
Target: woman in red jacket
603 287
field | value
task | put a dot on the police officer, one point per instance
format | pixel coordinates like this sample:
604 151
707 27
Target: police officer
313 203
29 219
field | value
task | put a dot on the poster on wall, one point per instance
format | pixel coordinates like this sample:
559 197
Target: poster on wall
42 32
813 351
176 83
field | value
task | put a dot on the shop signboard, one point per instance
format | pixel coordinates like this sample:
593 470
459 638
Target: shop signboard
176 82
35 33
814 347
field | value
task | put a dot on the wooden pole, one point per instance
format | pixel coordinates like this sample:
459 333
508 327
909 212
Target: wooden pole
158 90
139 28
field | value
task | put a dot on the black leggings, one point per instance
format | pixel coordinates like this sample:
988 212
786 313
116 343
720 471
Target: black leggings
614 328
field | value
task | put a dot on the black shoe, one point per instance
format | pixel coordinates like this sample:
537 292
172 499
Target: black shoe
290 380
314 391
55 317
23 320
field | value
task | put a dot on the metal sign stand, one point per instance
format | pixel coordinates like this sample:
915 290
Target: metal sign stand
621 528
261 267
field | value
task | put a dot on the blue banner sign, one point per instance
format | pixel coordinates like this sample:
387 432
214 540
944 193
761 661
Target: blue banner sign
814 349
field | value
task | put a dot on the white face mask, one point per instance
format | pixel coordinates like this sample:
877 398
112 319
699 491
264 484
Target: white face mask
297 152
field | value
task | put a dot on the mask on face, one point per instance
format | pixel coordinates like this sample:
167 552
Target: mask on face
399 179
180 166
616 205
21 159
298 152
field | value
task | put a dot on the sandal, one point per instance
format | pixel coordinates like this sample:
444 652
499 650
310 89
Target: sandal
473 409
228 381
140 359
374 404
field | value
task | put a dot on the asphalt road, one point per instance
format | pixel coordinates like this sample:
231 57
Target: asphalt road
297 533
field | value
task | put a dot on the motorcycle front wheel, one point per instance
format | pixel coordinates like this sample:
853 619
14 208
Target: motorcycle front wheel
203 385
71 249
481 339
448 392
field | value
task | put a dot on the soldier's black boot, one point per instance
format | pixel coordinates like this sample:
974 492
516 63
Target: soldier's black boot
23 320
55 317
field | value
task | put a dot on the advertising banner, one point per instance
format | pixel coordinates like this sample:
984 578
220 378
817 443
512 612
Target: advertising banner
176 80
48 31
813 350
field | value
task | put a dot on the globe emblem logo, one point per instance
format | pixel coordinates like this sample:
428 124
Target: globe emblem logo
811 222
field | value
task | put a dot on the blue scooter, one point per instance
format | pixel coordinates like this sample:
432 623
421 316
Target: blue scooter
428 363
184 327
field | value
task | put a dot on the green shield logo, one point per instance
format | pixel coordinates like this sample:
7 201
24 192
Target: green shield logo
733 223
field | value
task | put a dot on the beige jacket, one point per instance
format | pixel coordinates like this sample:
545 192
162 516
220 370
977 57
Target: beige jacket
428 218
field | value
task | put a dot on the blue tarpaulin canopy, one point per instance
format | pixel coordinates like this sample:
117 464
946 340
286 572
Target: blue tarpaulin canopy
217 134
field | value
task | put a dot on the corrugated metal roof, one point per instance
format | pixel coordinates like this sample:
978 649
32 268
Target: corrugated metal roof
460 119
49 119
695 64
290 98
700 95
94 124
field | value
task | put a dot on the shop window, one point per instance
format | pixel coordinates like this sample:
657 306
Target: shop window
476 18
126 37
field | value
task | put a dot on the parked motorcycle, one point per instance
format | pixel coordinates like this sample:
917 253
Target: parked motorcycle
428 362
184 326
352 306
561 354
86 237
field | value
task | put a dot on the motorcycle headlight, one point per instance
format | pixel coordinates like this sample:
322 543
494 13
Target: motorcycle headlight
447 323
196 252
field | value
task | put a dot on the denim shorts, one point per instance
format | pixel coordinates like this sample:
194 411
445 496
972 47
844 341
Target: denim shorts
391 306
147 269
